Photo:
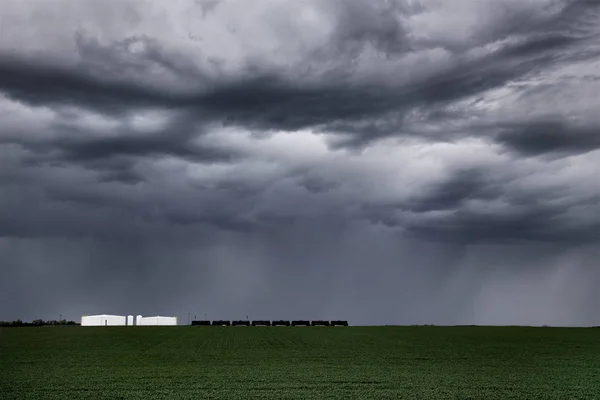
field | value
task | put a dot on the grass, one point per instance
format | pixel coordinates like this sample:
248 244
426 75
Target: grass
299 363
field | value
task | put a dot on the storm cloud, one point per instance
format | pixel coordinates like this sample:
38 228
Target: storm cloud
376 161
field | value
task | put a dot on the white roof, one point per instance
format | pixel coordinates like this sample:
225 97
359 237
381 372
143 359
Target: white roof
103 315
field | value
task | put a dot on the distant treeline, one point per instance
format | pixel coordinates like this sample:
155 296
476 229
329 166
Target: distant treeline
38 322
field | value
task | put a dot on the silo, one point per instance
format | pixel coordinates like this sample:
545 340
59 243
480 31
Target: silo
138 320
130 320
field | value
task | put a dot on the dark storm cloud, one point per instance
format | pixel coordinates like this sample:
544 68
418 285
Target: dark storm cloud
462 186
479 206
102 79
524 223
109 78
551 137
377 161
262 98
264 105
40 84
268 102
114 153
363 109
81 149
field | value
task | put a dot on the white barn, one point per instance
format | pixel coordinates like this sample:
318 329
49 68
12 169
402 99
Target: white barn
103 320
155 321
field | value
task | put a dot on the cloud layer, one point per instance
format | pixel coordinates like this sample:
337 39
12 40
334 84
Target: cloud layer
331 157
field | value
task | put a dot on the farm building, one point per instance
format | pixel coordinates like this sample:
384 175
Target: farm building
153 321
103 320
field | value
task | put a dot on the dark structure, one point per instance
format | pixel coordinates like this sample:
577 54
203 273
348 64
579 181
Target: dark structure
261 323
269 323
300 323
339 323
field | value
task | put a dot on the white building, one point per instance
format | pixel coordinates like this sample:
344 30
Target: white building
155 321
103 320
120 320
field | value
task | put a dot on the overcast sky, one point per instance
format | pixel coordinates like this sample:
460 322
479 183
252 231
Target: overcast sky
384 162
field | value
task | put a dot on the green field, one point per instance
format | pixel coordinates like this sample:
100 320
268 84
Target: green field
299 363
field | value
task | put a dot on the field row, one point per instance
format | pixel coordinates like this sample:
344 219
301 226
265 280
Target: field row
354 362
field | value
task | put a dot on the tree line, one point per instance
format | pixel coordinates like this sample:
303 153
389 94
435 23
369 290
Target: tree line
38 322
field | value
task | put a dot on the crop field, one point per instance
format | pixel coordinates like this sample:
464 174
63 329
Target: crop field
299 363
